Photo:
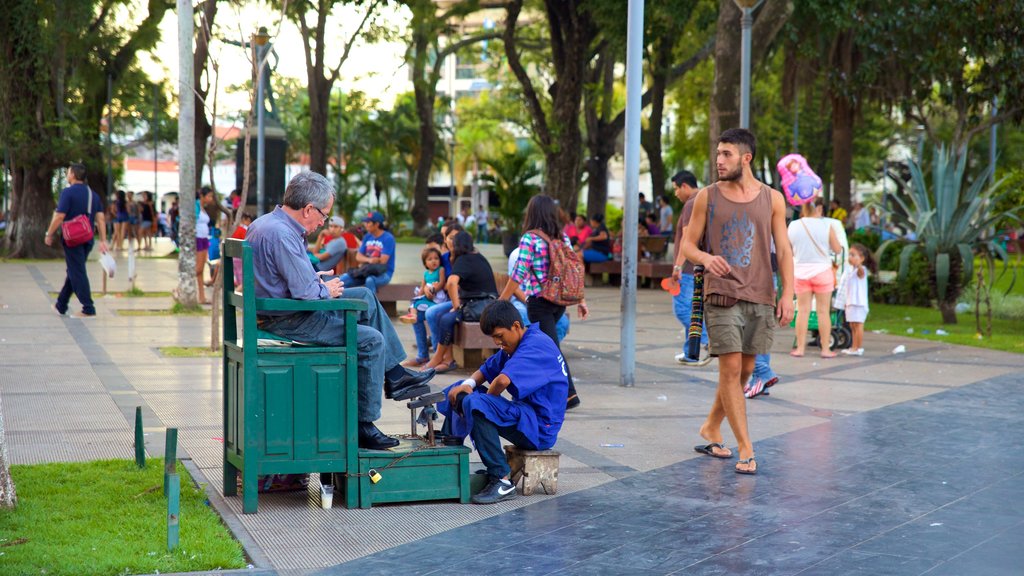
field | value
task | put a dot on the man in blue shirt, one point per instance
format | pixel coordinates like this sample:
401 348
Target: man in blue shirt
283 270
75 200
335 250
376 256
530 367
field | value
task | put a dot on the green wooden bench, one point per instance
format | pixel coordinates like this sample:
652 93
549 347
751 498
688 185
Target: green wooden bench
291 408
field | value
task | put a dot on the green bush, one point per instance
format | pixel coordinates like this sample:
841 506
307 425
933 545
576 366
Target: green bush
914 290
613 218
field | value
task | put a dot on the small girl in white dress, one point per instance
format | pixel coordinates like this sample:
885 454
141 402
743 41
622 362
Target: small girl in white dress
853 288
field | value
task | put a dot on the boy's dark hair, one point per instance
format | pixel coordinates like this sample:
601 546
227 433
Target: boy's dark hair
427 252
597 217
499 314
248 216
869 258
435 238
742 138
685 177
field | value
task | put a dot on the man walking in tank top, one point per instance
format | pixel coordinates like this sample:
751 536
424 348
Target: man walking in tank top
741 216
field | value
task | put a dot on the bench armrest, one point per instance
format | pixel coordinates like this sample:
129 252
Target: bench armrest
288 304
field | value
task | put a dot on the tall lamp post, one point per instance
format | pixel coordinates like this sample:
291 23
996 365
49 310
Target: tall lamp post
260 40
746 23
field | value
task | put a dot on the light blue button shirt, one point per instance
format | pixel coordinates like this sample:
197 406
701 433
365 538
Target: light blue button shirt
282 268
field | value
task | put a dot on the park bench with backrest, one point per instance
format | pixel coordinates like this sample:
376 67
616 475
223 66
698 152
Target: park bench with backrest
291 408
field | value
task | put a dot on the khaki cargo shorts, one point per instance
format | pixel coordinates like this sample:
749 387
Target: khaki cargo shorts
744 327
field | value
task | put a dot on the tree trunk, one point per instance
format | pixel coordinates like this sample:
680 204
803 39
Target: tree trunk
319 113
948 310
425 163
725 96
572 32
650 137
602 132
186 293
203 129
31 210
842 149
597 181
8 494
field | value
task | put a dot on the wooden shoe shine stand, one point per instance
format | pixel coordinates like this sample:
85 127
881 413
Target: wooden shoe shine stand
291 408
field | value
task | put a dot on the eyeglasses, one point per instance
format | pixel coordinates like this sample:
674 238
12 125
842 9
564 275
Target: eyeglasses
321 212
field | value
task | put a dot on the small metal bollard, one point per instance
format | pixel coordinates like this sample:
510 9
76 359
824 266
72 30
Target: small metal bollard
173 510
170 456
140 442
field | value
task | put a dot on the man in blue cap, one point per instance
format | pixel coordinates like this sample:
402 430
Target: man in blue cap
376 256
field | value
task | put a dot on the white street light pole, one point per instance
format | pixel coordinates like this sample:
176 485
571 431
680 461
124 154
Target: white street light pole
260 41
630 221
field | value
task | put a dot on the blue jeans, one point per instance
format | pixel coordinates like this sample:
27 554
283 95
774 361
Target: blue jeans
433 316
762 362
682 305
481 233
77 280
446 327
420 329
591 255
377 343
370 282
763 368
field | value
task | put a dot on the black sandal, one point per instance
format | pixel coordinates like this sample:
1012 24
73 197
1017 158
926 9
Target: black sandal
708 450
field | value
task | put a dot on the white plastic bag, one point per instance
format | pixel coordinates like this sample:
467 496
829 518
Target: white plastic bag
108 263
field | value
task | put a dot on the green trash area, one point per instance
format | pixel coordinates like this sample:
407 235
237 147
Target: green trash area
108 517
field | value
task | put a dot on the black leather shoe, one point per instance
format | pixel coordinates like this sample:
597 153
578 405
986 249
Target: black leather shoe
410 385
371 438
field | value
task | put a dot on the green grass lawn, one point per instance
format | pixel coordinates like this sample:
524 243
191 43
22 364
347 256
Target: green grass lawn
1007 335
108 517
189 352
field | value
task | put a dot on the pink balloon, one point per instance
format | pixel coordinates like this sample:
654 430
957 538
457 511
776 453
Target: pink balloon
799 183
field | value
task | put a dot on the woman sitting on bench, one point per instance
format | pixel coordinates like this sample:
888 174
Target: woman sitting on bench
470 288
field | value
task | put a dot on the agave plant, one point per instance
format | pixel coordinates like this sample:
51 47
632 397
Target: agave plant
953 223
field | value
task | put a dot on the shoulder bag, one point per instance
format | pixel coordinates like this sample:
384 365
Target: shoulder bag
78 230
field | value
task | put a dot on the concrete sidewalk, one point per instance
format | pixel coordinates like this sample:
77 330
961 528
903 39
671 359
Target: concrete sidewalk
881 429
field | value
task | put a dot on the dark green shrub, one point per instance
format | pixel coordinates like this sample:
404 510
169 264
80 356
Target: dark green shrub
914 290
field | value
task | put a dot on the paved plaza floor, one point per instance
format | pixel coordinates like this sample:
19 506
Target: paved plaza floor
885 464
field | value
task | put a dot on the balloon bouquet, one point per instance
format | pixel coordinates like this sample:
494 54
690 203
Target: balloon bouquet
799 183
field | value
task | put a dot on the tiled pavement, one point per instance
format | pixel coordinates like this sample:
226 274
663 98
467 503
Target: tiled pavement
886 464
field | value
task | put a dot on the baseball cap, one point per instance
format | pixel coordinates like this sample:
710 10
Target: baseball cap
374 217
337 221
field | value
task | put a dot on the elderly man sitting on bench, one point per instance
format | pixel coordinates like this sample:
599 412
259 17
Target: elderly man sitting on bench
282 270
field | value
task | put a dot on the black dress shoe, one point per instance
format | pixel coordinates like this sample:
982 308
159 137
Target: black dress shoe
371 438
410 385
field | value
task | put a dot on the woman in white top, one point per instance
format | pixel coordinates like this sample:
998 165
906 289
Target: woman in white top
812 238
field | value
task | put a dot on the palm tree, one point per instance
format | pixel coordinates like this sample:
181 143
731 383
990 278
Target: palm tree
510 179
953 222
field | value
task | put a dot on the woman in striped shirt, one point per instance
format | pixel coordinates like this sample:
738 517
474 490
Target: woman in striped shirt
531 271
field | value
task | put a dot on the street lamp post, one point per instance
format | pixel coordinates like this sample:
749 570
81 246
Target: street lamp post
746 23
260 40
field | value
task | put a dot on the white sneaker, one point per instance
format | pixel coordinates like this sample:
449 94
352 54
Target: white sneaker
852 352
687 361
